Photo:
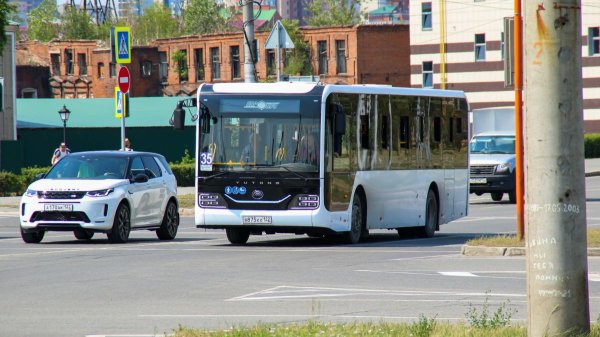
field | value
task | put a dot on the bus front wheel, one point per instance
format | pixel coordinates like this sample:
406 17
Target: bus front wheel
357 225
237 236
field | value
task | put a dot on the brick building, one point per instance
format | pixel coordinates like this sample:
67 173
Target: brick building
374 54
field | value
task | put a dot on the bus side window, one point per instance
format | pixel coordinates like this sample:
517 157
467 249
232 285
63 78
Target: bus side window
404 132
364 132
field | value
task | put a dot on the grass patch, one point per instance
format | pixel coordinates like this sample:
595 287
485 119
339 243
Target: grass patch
422 328
593 239
186 200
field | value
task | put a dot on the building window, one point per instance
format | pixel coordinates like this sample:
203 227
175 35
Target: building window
479 47
215 64
235 61
182 66
100 70
502 46
163 66
427 74
113 69
271 64
426 16
322 52
69 61
340 56
199 62
82 64
146 68
594 40
55 59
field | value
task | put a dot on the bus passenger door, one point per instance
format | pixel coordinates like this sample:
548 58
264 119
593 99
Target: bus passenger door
339 163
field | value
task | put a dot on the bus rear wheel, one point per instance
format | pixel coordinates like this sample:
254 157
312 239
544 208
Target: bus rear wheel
431 216
237 236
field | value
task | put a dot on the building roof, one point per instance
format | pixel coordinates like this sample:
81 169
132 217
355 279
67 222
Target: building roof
94 112
266 14
388 9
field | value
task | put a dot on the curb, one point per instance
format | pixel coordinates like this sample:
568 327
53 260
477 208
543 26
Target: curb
506 251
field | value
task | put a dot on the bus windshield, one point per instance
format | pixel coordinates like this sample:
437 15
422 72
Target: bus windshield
260 141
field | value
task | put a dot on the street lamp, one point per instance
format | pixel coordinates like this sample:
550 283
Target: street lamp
64 116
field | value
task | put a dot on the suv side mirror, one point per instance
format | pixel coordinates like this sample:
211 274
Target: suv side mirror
140 178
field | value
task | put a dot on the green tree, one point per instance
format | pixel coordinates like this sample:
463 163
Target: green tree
42 21
6 9
203 17
334 12
155 23
298 58
77 25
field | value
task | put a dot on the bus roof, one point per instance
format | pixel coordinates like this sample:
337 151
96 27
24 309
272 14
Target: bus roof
307 87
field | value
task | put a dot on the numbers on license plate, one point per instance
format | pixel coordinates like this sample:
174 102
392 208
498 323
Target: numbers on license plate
58 207
257 220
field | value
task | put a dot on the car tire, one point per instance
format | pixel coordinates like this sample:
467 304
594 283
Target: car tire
237 236
83 234
357 223
497 196
32 237
512 196
121 225
170 223
431 216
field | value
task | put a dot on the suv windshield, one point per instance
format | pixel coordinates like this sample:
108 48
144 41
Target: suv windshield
89 167
260 141
493 144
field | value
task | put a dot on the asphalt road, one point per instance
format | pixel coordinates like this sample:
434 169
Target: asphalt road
63 287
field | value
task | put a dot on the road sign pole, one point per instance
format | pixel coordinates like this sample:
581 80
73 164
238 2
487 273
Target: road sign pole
278 31
555 212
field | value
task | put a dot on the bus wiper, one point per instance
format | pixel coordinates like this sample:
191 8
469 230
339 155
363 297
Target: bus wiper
214 175
296 173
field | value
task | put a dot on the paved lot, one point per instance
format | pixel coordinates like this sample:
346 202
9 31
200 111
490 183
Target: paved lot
146 287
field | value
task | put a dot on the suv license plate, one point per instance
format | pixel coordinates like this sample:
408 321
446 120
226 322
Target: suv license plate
58 207
478 181
256 220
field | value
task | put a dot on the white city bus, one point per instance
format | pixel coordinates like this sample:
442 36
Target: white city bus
326 160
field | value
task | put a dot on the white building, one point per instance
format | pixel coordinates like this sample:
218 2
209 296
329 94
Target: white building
473 51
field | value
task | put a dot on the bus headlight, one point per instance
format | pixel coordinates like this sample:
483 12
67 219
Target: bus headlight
305 201
211 200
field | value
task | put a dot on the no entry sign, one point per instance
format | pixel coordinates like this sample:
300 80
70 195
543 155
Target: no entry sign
124 79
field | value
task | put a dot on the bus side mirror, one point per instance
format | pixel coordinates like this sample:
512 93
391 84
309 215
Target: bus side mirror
205 122
178 118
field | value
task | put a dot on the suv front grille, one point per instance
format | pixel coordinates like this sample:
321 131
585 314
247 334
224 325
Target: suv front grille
60 194
482 169
59 216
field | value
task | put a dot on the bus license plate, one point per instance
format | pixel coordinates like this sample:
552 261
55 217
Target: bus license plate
251 220
478 181
58 207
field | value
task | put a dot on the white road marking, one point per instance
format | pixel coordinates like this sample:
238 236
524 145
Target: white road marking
457 273
293 292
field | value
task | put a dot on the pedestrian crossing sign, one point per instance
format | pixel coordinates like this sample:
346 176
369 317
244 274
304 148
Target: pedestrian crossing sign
122 47
121 103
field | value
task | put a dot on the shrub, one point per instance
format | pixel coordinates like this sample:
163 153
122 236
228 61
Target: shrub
10 184
184 174
28 174
592 145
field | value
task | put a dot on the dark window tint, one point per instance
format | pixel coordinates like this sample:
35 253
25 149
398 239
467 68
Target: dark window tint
152 168
385 133
137 167
437 129
404 132
164 163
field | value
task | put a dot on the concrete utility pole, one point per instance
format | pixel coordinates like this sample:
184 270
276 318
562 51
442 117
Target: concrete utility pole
555 214
248 18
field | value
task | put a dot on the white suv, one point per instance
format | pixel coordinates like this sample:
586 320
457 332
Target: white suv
110 192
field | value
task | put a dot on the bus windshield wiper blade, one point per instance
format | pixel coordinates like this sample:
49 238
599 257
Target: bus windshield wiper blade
214 175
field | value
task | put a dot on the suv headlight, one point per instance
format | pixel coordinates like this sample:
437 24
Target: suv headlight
99 193
30 193
502 168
